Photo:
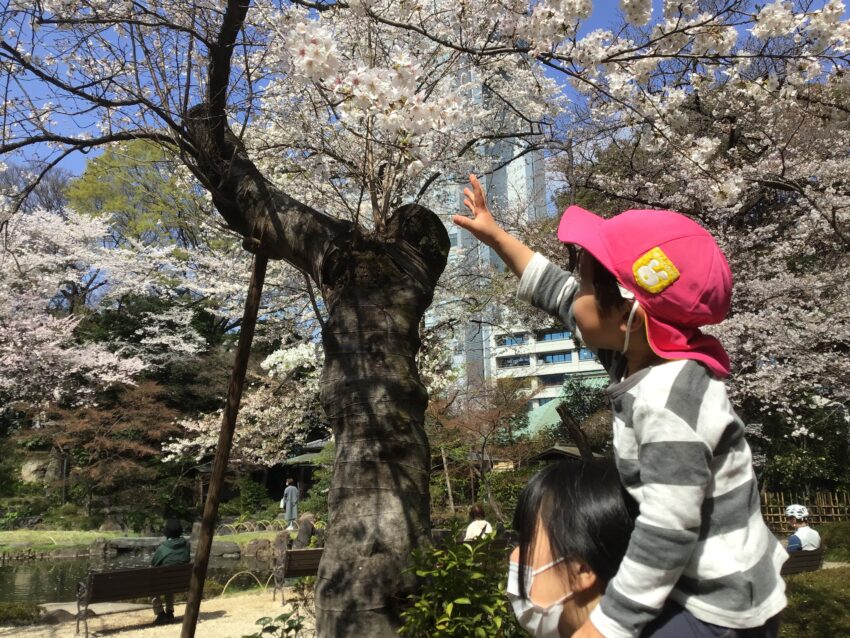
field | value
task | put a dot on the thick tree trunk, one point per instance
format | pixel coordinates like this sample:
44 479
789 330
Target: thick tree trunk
376 290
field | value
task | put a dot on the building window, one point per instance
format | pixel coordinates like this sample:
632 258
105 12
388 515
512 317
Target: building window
552 380
513 362
544 401
512 340
554 335
586 354
555 357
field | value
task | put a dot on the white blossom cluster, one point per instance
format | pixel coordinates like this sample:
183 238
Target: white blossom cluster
304 356
313 51
273 418
42 360
637 12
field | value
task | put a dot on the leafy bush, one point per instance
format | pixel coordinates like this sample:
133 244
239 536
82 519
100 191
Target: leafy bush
836 541
253 497
462 592
506 486
288 625
818 604
18 614
316 499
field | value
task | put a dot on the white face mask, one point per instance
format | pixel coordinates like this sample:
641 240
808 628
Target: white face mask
541 622
628 295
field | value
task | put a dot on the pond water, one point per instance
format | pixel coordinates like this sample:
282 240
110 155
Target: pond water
55 580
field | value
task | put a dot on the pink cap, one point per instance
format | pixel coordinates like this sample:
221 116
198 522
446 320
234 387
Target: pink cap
675 270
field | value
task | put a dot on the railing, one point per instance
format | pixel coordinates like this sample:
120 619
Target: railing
824 507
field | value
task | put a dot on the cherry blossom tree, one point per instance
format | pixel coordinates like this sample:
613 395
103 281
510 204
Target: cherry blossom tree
43 256
280 409
733 112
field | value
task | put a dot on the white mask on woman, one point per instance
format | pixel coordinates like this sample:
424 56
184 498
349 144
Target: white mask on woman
541 622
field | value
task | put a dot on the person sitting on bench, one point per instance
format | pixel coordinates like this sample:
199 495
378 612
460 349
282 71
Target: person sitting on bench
804 537
174 551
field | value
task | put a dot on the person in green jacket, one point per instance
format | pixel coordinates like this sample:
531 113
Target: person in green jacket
174 551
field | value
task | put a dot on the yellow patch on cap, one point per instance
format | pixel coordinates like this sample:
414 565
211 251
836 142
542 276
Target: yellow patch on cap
654 271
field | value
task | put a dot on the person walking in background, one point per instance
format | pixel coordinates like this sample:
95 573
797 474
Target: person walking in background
289 503
478 527
174 551
804 537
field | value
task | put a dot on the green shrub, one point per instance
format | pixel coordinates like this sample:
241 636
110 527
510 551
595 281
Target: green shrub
818 605
506 486
18 614
836 541
316 499
253 497
288 625
462 592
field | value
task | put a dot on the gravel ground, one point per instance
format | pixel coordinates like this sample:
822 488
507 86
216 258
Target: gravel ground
228 617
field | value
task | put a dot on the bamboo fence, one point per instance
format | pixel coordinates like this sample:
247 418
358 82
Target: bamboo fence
824 507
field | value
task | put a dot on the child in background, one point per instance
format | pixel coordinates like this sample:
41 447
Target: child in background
478 526
646 282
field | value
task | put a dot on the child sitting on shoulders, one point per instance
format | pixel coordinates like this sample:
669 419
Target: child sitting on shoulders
646 281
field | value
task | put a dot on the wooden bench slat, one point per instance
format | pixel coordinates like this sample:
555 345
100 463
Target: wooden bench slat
138 582
803 561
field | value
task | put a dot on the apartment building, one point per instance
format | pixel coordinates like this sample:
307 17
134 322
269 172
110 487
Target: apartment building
544 357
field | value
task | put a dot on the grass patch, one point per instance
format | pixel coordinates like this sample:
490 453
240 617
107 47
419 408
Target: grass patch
243 538
49 540
836 541
19 614
818 604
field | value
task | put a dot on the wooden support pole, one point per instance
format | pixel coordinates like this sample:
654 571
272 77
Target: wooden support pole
225 441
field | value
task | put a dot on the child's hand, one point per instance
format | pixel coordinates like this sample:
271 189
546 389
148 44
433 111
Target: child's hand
481 224
587 630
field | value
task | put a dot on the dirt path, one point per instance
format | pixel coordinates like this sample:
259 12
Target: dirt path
229 617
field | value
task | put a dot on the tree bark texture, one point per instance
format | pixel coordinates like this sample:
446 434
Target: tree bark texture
376 290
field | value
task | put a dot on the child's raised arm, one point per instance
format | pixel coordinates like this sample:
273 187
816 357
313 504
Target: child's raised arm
482 225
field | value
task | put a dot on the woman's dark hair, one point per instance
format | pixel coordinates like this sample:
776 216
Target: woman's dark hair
173 529
585 510
476 512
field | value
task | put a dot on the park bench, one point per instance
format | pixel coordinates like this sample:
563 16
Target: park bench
803 561
126 584
294 563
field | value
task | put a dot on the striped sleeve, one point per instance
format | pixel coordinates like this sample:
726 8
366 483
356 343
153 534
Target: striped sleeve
675 471
549 288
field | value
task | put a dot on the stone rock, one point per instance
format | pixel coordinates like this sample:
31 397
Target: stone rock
225 549
258 547
110 525
35 471
58 616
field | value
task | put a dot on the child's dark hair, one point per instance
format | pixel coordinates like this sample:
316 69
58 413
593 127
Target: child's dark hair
585 511
605 287
476 512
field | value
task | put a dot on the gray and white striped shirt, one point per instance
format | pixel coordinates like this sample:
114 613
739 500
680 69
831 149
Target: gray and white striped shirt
700 539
